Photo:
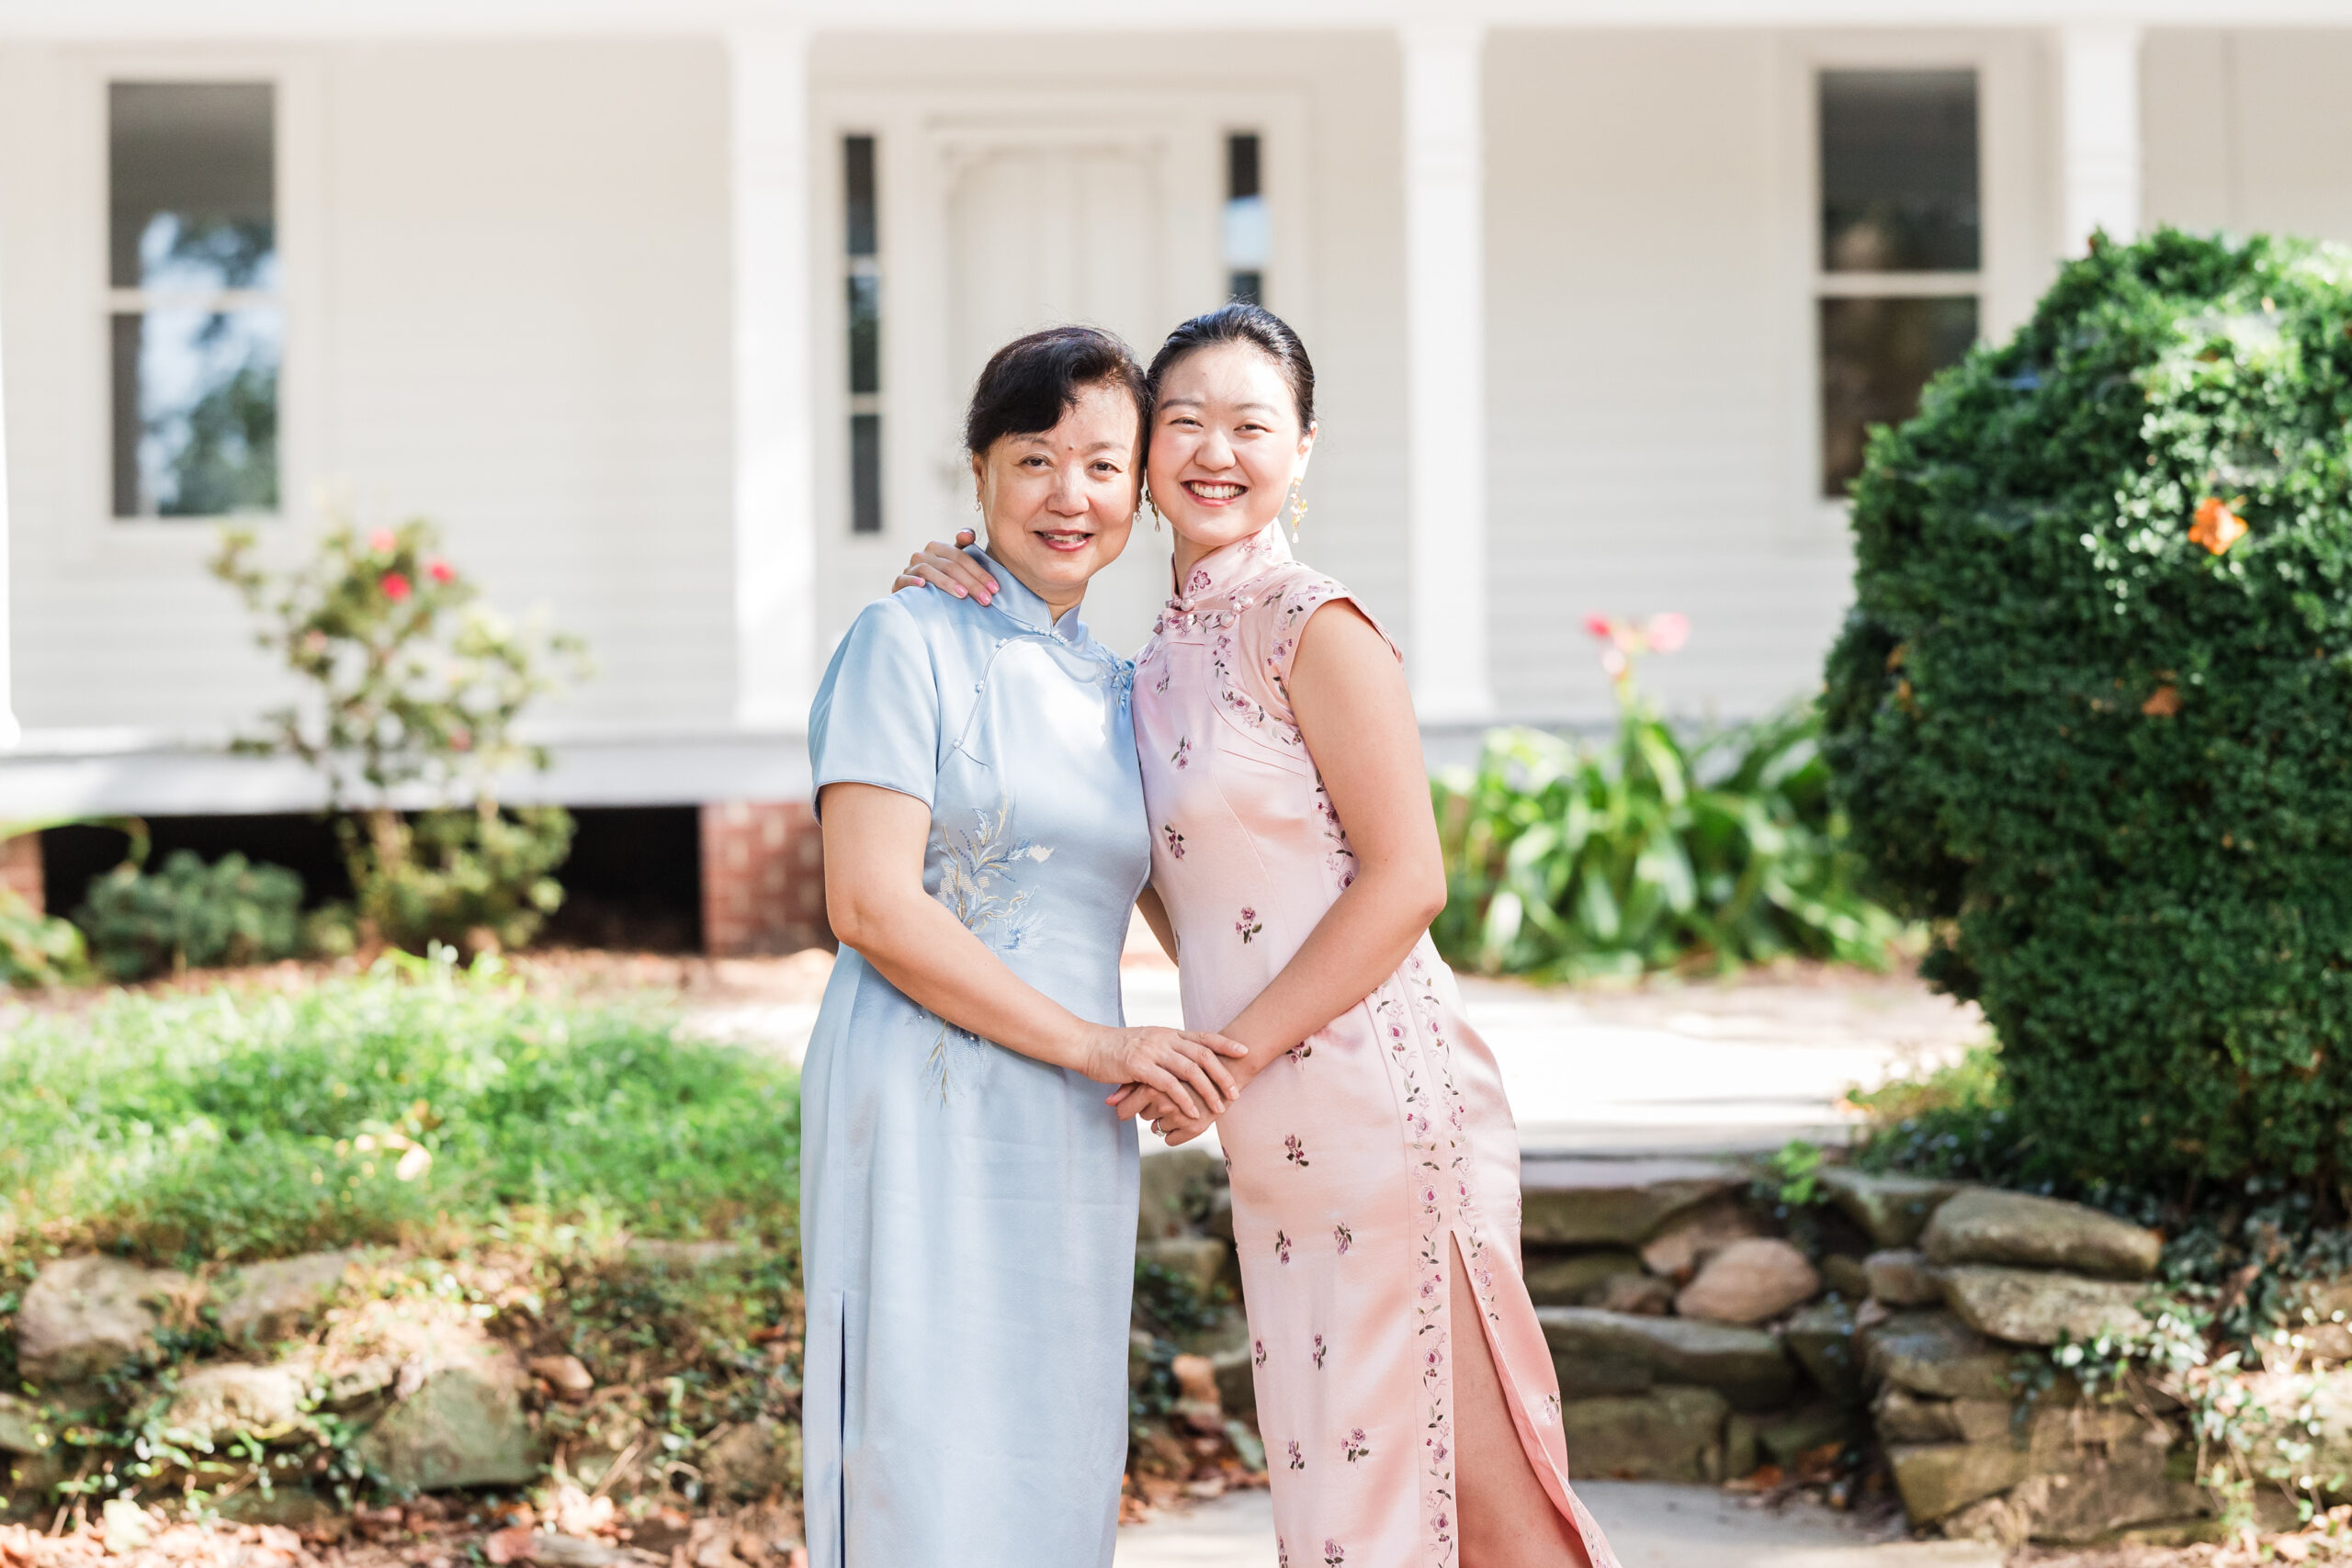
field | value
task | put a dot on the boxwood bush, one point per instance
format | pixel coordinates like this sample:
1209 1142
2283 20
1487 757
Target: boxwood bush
2092 712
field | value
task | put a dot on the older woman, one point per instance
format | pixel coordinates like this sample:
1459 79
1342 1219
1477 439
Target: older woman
967 1197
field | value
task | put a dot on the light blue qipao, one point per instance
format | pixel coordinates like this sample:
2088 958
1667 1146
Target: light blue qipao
967 1212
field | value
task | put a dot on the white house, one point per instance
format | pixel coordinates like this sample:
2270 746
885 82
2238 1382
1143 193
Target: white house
665 310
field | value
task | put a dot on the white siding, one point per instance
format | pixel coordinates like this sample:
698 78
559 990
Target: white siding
522 268
2249 130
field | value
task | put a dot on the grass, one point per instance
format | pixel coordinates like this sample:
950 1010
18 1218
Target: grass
420 1103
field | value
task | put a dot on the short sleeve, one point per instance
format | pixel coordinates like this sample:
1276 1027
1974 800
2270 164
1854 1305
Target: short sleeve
1280 624
875 719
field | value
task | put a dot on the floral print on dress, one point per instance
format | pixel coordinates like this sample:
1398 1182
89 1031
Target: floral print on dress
1257 1352
975 874
1248 925
1345 1237
1334 1555
1182 756
1317 1357
1298 1459
1281 1245
1294 1151
1175 840
1355 1447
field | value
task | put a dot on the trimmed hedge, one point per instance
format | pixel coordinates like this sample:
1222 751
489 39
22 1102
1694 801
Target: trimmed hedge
2102 737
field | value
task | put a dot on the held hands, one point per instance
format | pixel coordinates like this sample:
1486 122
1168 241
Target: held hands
948 566
1187 1069
1175 1123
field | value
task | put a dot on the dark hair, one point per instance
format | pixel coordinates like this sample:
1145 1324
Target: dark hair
1261 330
1031 382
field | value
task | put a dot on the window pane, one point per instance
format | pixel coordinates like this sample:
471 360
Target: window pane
1249 286
857 178
865 473
191 186
1875 356
1898 172
1241 165
196 412
864 333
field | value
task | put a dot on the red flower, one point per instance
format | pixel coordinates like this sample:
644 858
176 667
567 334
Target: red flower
440 570
1601 625
395 586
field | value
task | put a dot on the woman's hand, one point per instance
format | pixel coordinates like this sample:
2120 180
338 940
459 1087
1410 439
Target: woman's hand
1172 1121
1187 1069
948 566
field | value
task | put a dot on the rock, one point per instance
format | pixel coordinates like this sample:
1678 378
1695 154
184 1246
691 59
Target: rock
1784 1440
1937 1479
462 1426
1934 1353
1600 1202
22 1428
29 1484
1247 1445
1644 1294
1984 1225
1568 1279
1820 1336
216 1403
1739 1447
683 1256
1609 1353
1752 1281
1237 1383
2314 1407
83 1315
1198 1403
1173 1195
1902 1416
1900 1277
752 1459
1845 1276
2026 1306
293 1508
2321 1316
262 1302
1196 1260
125 1526
1684 1241
1668 1434
566 1375
1892 1210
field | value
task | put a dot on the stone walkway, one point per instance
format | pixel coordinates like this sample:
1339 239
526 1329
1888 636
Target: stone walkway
1651 1525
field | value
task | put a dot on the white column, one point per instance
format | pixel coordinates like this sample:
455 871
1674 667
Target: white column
1445 360
775 545
2098 73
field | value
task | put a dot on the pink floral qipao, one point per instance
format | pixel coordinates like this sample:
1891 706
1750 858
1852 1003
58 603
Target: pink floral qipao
1382 1137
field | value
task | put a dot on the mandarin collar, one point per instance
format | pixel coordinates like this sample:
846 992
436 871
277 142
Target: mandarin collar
1230 567
1019 603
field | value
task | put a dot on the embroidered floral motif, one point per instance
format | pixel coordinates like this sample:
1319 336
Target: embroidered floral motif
1294 1151
1551 1409
1298 1459
1257 1352
1175 840
1356 1447
976 883
1334 1555
1281 1245
1182 755
1161 685
1344 1236
1300 1052
1248 925
1317 1357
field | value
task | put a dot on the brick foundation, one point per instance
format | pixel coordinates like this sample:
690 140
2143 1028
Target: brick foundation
762 879
20 870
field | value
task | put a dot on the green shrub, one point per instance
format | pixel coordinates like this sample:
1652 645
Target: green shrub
2105 742
191 915
1568 860
416 688
230 1126
38 949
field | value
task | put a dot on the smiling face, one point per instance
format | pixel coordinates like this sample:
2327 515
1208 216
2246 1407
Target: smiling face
1060 503
1225 444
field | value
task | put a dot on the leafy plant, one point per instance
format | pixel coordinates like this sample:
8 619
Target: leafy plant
420 1096
38 949
418 688
2090 715
1570 860
191 915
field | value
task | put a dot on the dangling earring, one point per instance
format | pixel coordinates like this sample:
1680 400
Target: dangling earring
1147 506
1298 509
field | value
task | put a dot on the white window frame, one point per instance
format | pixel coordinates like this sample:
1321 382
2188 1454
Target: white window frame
298 198
2014 262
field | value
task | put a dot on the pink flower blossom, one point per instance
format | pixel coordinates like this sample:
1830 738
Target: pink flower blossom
1668 631
383 541
395 586
1601 625
441 570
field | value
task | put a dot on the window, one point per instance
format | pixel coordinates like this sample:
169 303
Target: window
863 266
196 318
1246 237
1901 248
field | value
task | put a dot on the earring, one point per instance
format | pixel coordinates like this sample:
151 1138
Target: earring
1147 506
1298 509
